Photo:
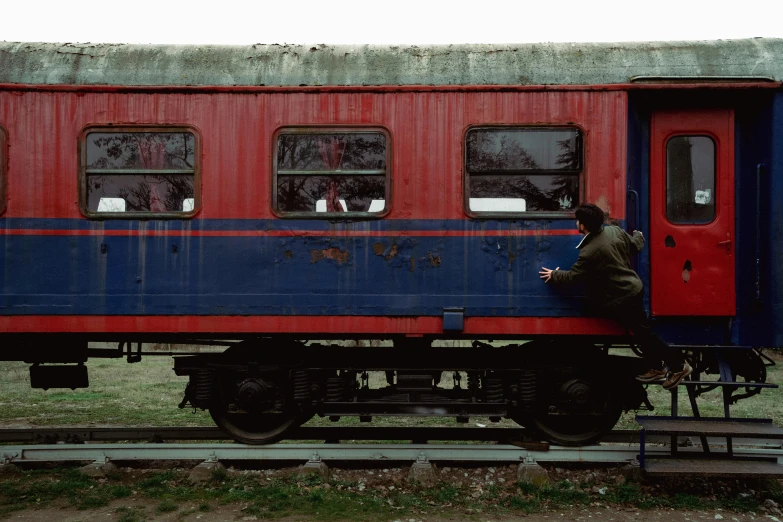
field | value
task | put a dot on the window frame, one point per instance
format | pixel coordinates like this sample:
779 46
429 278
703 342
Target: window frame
144 128
3 170
715 178
537 214
332 129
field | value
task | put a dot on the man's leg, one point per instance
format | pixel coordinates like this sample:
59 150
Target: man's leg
654 349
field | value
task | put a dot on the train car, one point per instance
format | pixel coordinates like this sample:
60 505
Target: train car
276 198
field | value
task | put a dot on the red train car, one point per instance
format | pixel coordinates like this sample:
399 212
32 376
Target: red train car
283 195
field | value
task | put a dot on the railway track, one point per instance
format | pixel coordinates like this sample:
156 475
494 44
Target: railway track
517 436
508 445
321 433
301 453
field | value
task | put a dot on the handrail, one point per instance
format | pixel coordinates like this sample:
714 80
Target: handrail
759 170
637 209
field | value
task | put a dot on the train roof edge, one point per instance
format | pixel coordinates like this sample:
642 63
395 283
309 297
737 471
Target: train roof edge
355 65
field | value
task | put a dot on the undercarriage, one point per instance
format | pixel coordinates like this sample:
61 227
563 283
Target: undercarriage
566 395
565 390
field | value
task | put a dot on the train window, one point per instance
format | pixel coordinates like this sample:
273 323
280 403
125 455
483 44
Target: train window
3 163
322 172
523 169
690 179
132 172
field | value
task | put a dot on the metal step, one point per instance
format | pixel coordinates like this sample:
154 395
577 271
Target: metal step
715 427
729 384
733 468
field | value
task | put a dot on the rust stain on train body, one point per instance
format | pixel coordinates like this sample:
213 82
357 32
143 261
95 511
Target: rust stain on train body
341 256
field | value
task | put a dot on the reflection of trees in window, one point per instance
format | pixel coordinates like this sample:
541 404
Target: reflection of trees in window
361 151
569 157
330 167
299 193
504 186
292 196
146 150
565 191
495 152
143 193
539 165
151 171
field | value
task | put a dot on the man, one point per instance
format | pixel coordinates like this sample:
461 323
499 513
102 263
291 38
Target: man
615 291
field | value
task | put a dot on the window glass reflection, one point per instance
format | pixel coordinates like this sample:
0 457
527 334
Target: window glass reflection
331 193
331 172
542 193
526 169
360 151
139 172
141 193
511 150
690 179
140 150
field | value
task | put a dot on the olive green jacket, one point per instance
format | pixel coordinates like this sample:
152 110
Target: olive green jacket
604 267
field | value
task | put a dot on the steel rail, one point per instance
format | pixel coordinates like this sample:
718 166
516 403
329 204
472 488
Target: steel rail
81 434
305 433
309 452
368 453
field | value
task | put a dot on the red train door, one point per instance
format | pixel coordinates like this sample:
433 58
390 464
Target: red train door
692 213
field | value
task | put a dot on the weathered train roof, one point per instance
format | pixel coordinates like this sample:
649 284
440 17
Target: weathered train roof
294 65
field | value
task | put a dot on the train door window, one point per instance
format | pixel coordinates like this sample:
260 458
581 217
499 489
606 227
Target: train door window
523 170
331 172
3 165
690 179
139 172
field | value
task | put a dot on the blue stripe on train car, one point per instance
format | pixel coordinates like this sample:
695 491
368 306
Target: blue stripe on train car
305 275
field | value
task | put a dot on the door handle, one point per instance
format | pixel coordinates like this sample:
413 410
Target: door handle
726 243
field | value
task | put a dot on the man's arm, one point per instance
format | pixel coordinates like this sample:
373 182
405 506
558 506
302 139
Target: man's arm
546 273
563 277
637 240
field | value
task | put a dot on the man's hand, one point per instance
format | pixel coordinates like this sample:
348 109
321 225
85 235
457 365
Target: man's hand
546 274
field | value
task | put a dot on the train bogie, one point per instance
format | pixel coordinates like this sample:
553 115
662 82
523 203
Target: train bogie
567 394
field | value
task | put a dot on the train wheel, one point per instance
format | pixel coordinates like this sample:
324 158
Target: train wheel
573 404
256 429
573 430
255 407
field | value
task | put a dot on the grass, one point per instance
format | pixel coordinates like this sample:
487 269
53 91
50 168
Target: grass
166 506
37 488
130 514
137 496
142 394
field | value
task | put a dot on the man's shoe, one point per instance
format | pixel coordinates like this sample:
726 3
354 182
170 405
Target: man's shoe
675 377
653 375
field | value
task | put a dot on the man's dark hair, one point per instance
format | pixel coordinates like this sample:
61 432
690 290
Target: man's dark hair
590 216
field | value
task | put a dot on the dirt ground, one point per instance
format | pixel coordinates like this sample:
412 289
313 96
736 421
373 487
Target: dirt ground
231 513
